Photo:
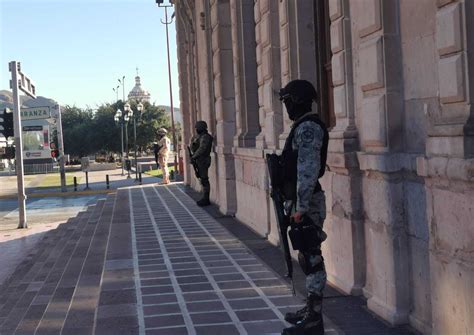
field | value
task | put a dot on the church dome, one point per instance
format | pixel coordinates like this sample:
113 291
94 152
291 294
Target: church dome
138 93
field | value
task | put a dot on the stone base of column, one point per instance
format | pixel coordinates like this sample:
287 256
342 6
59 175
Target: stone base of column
226 183
391 314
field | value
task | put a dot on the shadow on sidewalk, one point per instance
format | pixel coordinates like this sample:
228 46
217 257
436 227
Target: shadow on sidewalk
349 313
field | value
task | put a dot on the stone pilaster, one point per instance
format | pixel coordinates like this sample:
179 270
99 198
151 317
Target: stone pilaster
268 73
297 48
286 36
346 266
224 94
448 169
183 88
245 69
379 114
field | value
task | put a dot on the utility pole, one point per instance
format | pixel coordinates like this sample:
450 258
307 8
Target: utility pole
167 23
62 170
21 82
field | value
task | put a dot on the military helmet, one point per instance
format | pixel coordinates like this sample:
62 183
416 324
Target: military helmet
300 91
201 126
162 131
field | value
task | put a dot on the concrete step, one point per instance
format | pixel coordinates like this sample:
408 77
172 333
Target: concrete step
80 317
20 290
38 254
81 278
40 283
35 260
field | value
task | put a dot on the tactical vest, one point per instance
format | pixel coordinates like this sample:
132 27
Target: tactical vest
196 142
289 158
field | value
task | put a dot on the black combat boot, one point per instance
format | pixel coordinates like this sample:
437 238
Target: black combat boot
204 200
294 317
312 321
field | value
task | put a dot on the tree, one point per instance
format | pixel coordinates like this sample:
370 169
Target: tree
77 124
152 119
88 132
106 132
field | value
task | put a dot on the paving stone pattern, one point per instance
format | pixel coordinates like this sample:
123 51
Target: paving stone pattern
37 297
146 260
197 278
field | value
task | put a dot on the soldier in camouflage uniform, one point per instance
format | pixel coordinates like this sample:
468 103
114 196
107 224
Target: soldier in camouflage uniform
304 159
201 146
163 147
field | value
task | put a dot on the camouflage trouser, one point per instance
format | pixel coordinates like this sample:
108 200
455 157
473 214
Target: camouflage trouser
163 161
316 281
203 167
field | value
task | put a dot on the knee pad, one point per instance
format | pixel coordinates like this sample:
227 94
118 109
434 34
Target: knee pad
310 262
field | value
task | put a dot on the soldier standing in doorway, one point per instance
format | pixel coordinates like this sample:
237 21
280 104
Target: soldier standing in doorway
163 148
201 145
303 162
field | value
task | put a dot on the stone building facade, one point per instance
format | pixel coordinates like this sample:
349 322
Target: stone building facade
396 80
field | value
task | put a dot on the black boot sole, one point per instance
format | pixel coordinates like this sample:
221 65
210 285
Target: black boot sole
293 321
316 330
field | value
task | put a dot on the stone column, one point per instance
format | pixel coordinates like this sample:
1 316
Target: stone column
268 73
183 88
345 226
224 94
448 169
297 49
245 69
379 113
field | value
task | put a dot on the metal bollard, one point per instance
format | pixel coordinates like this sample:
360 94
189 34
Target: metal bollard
107 181
140 177
87 181
75 184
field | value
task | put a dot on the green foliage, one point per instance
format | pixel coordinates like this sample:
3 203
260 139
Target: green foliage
87 132
77 135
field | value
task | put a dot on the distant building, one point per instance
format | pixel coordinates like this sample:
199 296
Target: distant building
138 93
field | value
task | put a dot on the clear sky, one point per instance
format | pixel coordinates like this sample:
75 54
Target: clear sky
75 50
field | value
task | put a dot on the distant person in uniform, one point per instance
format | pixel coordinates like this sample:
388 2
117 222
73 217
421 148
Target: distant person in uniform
201 145
161 153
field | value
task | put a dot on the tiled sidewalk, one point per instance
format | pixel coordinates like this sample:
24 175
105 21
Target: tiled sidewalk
146 260
194 277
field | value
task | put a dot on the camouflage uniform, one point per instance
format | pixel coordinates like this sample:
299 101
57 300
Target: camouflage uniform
304 160
201 146
307 142
164 144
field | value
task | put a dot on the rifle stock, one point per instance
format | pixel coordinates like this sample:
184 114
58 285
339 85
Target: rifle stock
273 165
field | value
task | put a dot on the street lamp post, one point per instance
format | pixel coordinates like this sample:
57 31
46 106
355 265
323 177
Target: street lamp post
115 89
122 118
119 119
167 23
136 116
126 118
122 82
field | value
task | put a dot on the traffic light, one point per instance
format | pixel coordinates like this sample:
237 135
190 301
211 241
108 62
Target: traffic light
54 145
7 123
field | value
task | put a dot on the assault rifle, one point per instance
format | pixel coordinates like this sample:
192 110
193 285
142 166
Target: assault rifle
283 218
193 163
